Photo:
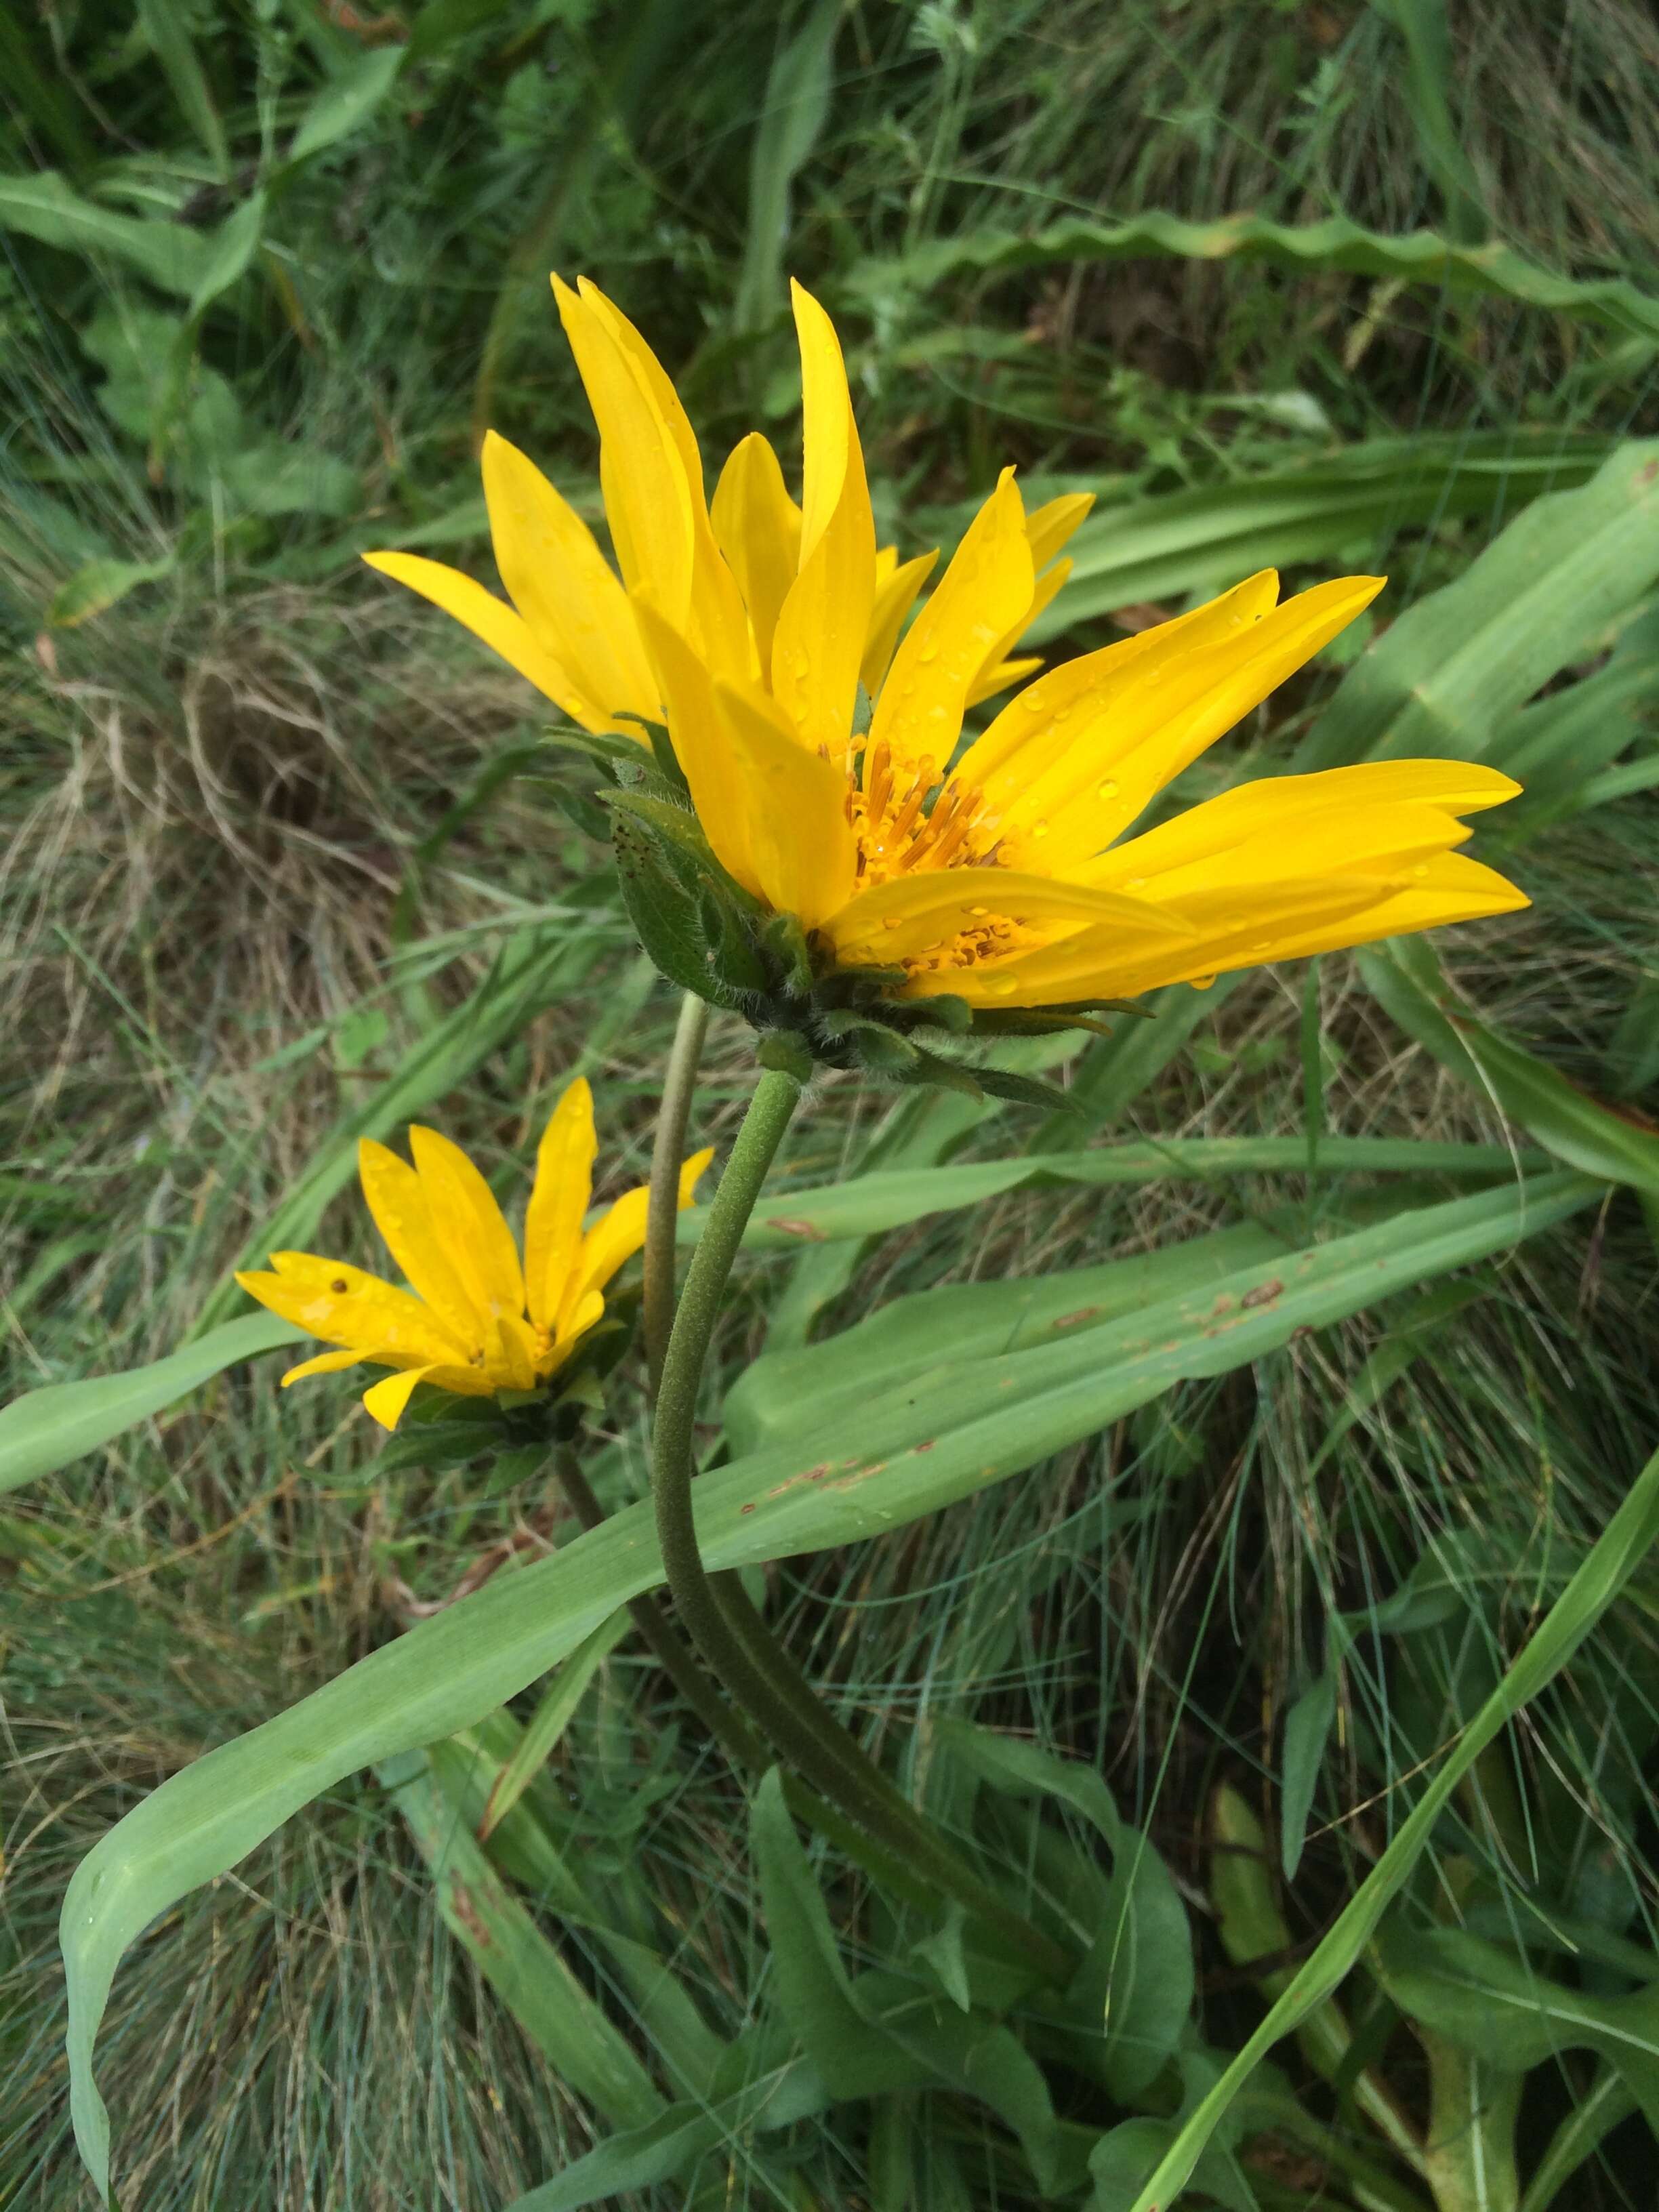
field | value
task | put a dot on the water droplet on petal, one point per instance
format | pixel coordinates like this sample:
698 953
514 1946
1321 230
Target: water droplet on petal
1421 870
1039 830
1135 884
1109 789
929 650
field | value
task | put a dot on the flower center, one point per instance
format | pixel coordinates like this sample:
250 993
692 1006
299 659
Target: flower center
898 832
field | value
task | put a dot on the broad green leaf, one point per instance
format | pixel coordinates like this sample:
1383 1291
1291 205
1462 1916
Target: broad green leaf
45 1429
870 1203
1601 1574
1178 543
233 248
1594 2115
1445 680
1419 257
889 1465
171 255
1407 981
538 1988
1488 2003
1139 1972
346 102
784 1393
101 584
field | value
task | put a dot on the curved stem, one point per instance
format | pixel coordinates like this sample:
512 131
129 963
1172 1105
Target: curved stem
667 1151
769 1687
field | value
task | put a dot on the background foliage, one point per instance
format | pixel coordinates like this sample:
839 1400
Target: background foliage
1325 285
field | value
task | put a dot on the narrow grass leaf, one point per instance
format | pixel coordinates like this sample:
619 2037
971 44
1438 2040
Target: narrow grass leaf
1406 979
549 1721
1307 1731
1418 257
1606 1569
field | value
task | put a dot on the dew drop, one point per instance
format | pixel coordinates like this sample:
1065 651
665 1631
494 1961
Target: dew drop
890 922
929 650
1109 789
1030 702
1135 884
1421 870
1039 830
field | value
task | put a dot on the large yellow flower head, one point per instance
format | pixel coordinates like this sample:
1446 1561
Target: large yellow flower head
477 1318
822 753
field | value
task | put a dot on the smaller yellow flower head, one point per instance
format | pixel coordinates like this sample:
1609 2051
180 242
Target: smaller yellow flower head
476 1319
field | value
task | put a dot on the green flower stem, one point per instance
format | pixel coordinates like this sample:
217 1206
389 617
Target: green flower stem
742 1743
667 1153
819 1749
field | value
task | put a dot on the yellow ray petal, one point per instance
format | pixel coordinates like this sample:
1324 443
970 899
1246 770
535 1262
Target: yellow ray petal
1157 728
999 672
581 1317
911 914
617 1234
469 1224
825 622
983 593
1048 526
398 1202
1451 889
563 1185
1286 825
704 745
389 1397
326 1363
1073 705
800 840
897 587
346 1305
757 527
646 495
564 585
502 630
510 1354
715 618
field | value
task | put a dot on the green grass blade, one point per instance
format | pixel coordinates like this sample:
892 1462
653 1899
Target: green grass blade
1419 257
576 2038
166 25
891 1466
1611 1561
45 1429
1407 979
792 121
550 1719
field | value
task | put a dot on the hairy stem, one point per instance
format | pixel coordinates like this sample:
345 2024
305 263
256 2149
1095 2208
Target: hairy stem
668 1151
761 1679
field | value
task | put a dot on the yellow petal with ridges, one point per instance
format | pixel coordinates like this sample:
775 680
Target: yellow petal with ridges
1452 888
503 630
897 587
910 915
714 615
469 1224
647 497
618 1234
1000 674
326 1363
703 744
346 1305
801 844
582 1315
389 1397
758 528
564 585
397 1201
510 1353
1048 526
824 622
1157 728
982 594
1073 705
558 1199
1280 824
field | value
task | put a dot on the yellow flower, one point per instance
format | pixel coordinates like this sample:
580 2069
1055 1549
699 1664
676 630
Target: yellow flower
476 1319
1004 877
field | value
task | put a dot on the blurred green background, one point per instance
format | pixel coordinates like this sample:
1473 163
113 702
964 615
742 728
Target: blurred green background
1304 282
